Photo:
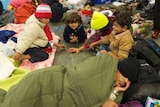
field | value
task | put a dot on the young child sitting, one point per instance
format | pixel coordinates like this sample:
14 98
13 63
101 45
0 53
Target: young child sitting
32 41
102 26
74 31
120 41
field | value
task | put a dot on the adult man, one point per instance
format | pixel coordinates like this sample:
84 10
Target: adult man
89 84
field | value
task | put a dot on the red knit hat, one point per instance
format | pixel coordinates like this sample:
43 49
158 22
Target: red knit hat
43 11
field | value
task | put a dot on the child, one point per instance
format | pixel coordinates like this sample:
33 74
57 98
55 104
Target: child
120 41
102 25
74 31
32 41
57 9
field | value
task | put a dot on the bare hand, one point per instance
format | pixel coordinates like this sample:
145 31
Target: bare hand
61 46
74 39
124 88
16 56
92 46
104 52
72 50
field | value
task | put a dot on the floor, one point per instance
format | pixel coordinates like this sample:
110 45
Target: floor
63 57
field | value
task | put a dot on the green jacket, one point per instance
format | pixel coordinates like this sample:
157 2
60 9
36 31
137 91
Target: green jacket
88 84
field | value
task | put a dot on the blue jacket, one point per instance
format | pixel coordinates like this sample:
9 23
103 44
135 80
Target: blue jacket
80 32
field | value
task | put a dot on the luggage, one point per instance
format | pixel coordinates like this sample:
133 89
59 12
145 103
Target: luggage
147 50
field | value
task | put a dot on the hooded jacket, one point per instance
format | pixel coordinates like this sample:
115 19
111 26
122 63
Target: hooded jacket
80 32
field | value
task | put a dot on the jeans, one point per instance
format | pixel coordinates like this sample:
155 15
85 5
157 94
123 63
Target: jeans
103 47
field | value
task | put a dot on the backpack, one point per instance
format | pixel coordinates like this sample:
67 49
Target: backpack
133 103
147 50
147 73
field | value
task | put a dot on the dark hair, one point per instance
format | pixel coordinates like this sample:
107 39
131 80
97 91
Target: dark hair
73 17
124 19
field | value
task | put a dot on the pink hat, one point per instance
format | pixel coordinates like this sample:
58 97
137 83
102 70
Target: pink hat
43 11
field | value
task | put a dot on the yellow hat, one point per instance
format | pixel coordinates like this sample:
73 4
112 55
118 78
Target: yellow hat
98 20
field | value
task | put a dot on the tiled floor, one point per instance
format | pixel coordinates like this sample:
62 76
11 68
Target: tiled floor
63 57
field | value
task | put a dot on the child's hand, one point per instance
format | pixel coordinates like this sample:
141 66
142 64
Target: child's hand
61 46
16 56
92 46
74 39
71 50
104 52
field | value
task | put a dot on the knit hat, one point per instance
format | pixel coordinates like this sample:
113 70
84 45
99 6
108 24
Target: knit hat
129 68
98 20
43 11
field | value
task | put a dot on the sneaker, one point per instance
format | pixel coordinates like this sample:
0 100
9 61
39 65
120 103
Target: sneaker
155 34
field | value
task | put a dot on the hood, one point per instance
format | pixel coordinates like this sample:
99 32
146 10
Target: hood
33 19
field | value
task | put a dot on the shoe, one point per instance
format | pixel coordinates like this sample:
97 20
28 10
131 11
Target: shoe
155 34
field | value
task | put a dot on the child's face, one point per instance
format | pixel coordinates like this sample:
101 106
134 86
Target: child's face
118 28
44 20
73 25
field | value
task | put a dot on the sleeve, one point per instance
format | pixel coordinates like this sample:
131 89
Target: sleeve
66 34
81 35
125 47
64 9
93 38
27 37
106 39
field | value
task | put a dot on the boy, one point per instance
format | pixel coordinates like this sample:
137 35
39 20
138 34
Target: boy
120 41
74 31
